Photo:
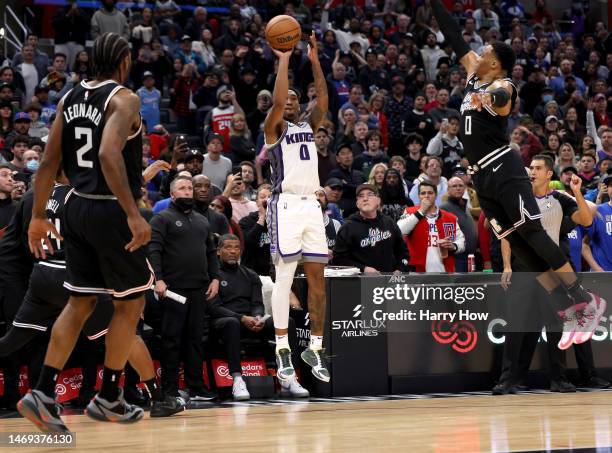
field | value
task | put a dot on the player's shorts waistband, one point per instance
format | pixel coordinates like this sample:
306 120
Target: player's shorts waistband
489 159
293 196
91 196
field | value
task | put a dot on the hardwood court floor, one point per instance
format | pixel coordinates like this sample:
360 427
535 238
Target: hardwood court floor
526 422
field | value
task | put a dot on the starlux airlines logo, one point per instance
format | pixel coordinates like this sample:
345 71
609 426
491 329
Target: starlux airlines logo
356 327
461 335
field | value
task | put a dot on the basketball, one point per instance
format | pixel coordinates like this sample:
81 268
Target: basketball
283 32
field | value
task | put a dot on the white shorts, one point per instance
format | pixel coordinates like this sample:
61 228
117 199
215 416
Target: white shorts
295 225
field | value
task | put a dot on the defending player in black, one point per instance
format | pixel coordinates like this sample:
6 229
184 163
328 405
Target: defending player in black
500 179
97 136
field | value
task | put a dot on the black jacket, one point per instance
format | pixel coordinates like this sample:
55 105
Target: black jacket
376 243
7 209
352 179
182 250
218 222
239 293
256 253
15 259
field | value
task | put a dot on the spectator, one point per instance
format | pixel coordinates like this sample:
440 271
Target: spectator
393 197
234 191
553 143
18 146
198 23
377 176
19 190
332 226
377 107
601 110
417 121
238 312
566 158
247 171
486 17
598 253
433 235
241 145
28 71
527 142
573 131
372 155
606 144
6 119
188 56
193 162
205 48
442 111
433 175
447 146
256 254
203 192
82 68
150 100
399 163
369 240
183 256
39 59
223 206
326 157
216 166
344 38
588 172
431 53
334 195
219 119
7 205
109 19
71 25
256 118
565 69
458 205
397 109
184 108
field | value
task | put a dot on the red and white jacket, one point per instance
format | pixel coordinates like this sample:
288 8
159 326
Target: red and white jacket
416 234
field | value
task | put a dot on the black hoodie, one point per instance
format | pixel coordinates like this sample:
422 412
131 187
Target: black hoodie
376 243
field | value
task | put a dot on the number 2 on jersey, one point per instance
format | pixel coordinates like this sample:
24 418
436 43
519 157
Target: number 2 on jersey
304 154
468 125
78 133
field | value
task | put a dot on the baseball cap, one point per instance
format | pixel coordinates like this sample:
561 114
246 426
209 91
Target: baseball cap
363 187
551 118
146 74
570 168
371 51
409 36
459 170
223 89
6 105
194 154
264 93
212 137
22 116
323 129
599 96
186 38
334 182
7 85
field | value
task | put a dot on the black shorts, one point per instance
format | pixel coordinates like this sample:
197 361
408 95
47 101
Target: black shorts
96 233
505 192
46 297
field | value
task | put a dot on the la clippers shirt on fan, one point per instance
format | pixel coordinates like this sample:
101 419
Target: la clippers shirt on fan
601 236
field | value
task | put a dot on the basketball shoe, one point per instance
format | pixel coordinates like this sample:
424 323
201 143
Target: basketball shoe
313 357
113 411
570 325
588 319
284 370
169 406
293 389
43 411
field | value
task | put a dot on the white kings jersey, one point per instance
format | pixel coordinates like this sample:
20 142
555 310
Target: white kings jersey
294 161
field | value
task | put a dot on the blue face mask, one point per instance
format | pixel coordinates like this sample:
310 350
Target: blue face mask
547 98
32 165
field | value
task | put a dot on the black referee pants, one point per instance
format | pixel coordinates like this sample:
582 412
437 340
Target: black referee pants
231 331
182 328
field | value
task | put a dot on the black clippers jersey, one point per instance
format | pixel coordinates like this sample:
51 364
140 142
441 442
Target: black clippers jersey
484 131
84 121
55 214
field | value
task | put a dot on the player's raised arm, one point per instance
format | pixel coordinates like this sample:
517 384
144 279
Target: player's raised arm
319 112
122 115
45 177
273 125
452 32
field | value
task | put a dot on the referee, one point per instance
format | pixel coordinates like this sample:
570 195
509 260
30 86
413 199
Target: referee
184 260
518 350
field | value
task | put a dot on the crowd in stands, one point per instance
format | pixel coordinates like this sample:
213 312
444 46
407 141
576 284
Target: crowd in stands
390 150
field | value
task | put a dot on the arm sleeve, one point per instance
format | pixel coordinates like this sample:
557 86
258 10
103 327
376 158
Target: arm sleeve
156 245
407 223
452 32
251 230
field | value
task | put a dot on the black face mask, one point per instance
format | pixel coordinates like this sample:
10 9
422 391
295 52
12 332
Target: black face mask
230 266
184 204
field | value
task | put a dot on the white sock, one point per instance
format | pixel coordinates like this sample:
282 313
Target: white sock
282 342
316 342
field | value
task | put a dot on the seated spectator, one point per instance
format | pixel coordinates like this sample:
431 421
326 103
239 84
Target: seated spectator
369 240
216 166
393 198
238 312
331 225
256 253
234 191
223 206
203 193
372 155
350 178
433 235
433 175
333 195
457 204
447 146
598 250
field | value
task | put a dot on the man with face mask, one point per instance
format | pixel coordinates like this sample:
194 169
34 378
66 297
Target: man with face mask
183 256
109 19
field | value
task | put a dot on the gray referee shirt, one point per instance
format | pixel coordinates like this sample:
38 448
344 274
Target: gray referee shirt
554 206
